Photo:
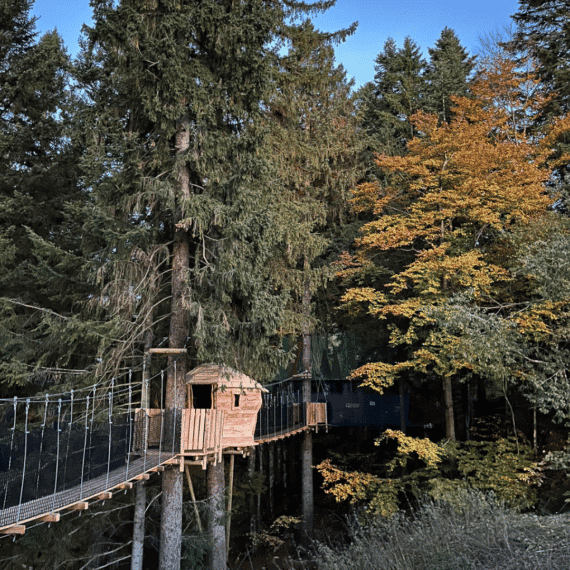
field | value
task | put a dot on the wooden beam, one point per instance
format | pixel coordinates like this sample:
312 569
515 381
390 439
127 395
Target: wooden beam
16 529
167 350
193 495
105 496
126 485
52 517
230 498
81 506
142 477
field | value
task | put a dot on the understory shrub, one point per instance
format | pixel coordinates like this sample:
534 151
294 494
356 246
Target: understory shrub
473 531
408 468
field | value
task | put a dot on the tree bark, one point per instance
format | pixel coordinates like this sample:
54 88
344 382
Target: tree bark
137 556
172 480
216 516
271 474
307 443
449 415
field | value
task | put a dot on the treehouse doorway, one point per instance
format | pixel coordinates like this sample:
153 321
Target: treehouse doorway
202 396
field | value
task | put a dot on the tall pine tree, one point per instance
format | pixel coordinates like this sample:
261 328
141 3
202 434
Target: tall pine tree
396 94
315 147
447 74
173 160
38 176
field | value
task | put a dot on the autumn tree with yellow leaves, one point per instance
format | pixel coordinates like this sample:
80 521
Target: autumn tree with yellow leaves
451 208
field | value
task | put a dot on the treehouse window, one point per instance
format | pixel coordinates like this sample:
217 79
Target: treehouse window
202 396
236 400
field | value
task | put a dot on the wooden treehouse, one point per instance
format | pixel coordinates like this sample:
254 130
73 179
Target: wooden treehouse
220 415
222 411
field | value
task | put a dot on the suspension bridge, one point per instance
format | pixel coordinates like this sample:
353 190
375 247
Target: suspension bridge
60 452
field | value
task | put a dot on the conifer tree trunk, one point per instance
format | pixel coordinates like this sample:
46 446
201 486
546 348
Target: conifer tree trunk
271 473
307 443
137 556
172 480
216 515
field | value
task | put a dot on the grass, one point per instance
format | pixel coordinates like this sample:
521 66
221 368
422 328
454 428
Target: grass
470 531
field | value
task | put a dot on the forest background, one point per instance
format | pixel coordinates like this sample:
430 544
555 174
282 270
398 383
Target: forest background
204 175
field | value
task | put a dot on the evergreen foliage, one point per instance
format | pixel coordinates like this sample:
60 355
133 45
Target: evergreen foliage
543 35
395 95
38 176
543 31
447 74
203 68
313 142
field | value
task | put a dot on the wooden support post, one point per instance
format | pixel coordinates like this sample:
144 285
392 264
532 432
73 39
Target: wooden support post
124 486
193 495
105 496
81 506
229 509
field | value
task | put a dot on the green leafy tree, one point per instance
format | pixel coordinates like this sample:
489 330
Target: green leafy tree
459 198
314 143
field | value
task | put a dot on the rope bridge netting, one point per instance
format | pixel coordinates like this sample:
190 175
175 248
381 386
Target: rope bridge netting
60 449
282 411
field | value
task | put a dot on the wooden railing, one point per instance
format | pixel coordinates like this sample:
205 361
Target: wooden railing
148 428
202 432
316 414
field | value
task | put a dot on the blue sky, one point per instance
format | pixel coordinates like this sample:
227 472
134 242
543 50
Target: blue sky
423 20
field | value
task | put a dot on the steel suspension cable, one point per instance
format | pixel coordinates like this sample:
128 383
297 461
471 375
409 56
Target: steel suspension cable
25 457
174 411
68 441
57 452
161 415
110 395
84 447
130 416
42 445
13 428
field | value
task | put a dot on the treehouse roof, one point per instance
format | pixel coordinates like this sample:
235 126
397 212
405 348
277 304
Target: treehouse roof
223 376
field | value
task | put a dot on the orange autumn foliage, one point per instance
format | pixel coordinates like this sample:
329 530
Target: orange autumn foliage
453 202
